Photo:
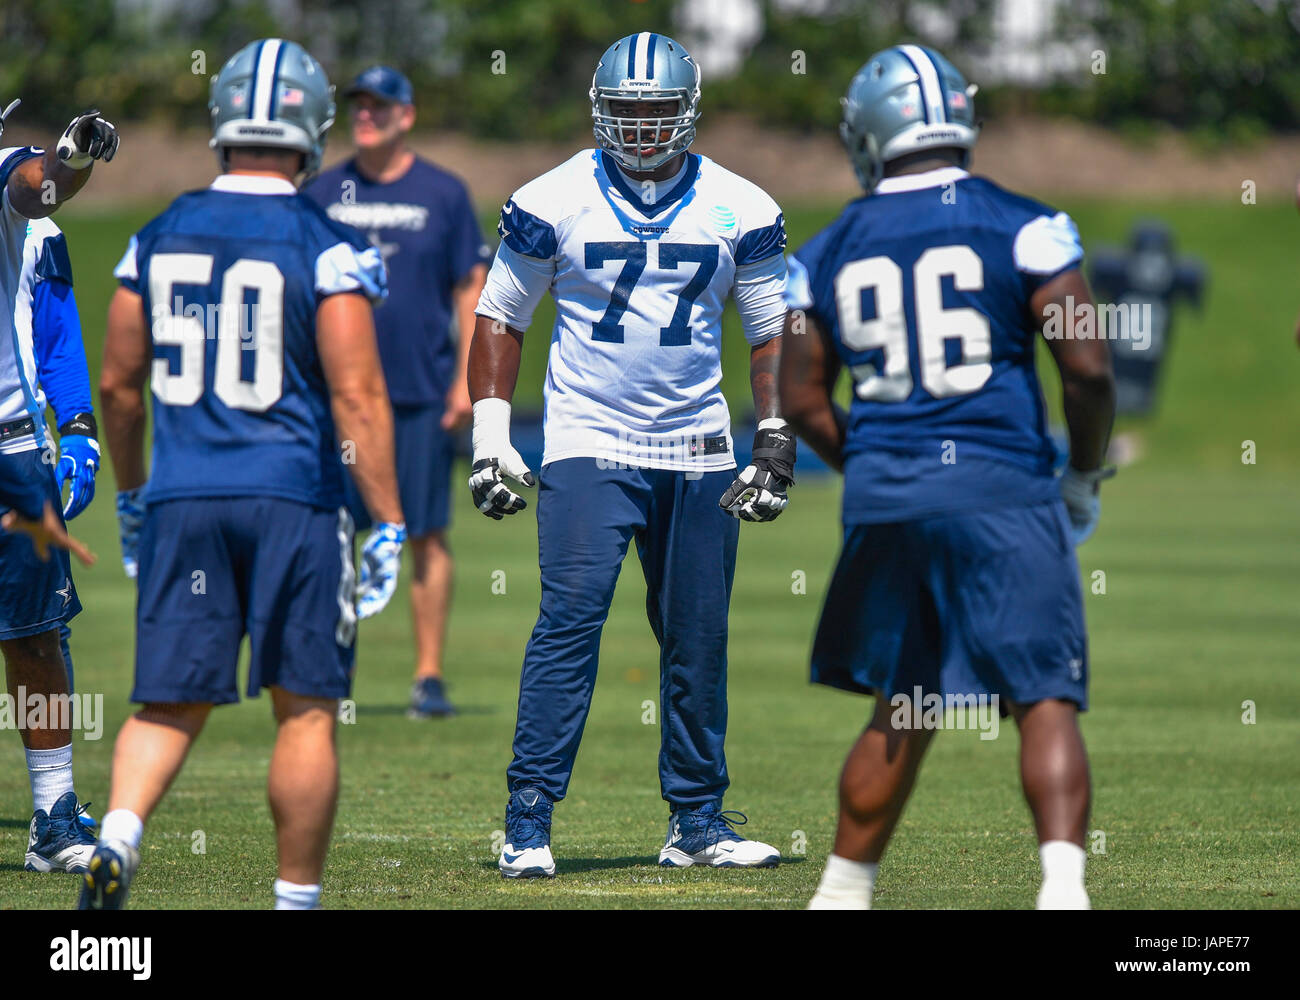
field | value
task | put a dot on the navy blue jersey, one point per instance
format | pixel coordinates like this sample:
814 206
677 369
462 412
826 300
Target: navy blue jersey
424 225
231 278
924 289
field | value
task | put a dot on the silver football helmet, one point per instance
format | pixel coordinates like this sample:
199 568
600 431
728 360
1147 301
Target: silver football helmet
904 100
645 67
272 93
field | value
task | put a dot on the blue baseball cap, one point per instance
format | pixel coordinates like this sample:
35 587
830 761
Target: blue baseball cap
383 82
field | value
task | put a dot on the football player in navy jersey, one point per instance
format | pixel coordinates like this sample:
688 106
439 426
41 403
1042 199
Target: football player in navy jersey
248 310
957 577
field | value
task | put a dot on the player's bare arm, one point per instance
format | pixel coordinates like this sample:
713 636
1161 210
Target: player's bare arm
493 361
806 382
493 371
759 492
127 353
464 298
349 353
1088 395
37 187
1087 380
764 363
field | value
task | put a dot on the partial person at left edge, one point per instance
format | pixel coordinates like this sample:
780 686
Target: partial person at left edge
42 360
421 219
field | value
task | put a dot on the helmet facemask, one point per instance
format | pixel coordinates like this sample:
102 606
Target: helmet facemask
643 142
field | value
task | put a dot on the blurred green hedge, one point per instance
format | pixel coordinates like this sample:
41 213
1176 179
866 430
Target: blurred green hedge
521 68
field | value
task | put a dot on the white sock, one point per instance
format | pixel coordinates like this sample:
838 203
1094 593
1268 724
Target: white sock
50 773
291 896
1062 863
846 884
124 825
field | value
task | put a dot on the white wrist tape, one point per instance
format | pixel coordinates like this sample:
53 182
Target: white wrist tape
491 427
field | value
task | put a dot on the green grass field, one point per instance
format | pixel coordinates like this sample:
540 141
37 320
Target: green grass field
1201 556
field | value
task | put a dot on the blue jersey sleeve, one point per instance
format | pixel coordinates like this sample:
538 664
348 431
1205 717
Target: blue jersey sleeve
60 353
56 334
762 243
527 234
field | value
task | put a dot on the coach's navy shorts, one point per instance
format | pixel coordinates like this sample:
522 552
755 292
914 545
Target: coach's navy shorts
424 456
978 603
35 596
215 570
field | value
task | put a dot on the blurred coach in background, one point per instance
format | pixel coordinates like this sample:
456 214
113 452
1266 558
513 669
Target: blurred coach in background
421 219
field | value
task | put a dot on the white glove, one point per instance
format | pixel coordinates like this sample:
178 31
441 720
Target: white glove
88 137
1081 493
494 455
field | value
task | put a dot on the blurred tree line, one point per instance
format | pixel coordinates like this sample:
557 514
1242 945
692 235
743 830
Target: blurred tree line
521 68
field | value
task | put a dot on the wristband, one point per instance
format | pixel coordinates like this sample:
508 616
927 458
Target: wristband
82 423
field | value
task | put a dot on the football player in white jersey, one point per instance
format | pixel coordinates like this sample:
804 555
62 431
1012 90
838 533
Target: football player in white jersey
41 355
640 242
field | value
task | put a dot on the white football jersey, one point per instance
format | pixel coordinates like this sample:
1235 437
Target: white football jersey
640 273
21 243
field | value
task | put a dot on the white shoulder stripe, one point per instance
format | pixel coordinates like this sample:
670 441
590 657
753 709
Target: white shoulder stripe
931 86
1047 244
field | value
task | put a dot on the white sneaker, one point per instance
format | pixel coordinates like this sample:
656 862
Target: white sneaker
531 862
1062 897
825 901
528 822
705 836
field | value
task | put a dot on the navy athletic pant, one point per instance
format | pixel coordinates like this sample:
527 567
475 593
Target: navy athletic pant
586 516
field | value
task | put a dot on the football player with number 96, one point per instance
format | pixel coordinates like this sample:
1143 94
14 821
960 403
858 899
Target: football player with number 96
957 577
640 242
